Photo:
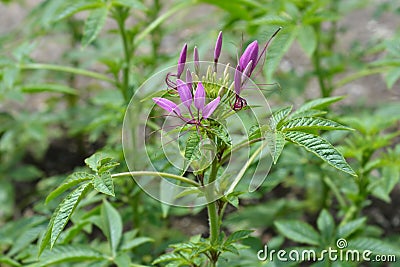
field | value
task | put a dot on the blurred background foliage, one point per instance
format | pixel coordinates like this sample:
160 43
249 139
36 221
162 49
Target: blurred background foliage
69 68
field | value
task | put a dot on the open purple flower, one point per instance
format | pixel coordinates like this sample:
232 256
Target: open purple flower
185 93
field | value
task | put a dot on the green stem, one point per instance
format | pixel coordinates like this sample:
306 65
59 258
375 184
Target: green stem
328 181
360 74
212 207
39 66
120 18
317 64
163 174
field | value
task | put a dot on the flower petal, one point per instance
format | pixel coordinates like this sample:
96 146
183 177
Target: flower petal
196 60
167 105
184 93
182 61
251 53
189 79
238 80
199 96
210 108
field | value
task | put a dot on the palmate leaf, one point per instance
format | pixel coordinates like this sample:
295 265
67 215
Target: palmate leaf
322 148
72 180
93 24
307 123
64 212
68 253
298 231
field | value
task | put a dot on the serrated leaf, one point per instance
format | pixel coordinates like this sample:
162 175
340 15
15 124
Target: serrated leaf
307 39
376 246
238 235
129 245
168 257
322 148
232 249
307 113
307 123
68 253
66 207
72 7
48 87
222 134
279 115
72 180
25 239
96 160
104 183
192 146
319 103
112 225
276 142
107 166
93 24
345 230
326 225
298 231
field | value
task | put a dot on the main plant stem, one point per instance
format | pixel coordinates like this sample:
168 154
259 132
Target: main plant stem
213 217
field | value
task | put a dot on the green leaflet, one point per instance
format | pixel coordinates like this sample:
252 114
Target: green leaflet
112 225
345 230
66 207
68 253
192 146
276 142
298 231
319 103
279 116
322 148
72 180
306 123
93 24
326 225
72 7
48 87
104 183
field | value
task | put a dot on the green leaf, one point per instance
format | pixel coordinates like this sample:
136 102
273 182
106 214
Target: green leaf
376 246
345 230
278 48
68 253
66 207
9 261
383 188
238 235
93 25
131 244
391 77
279 116
169 257
307 39
307 123
326 225
72 180
298 231
276 142
96 161
48 87
104 183
135 4
307 113
112 225
25 239
322 148
222 134
70 8
192 146
319 103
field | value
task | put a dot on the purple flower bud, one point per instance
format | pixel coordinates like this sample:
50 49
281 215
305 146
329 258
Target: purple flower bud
196 61
184 93
167 105
250 54
189 79
218 46
182 61
237 80
199 97
210 108
246 73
